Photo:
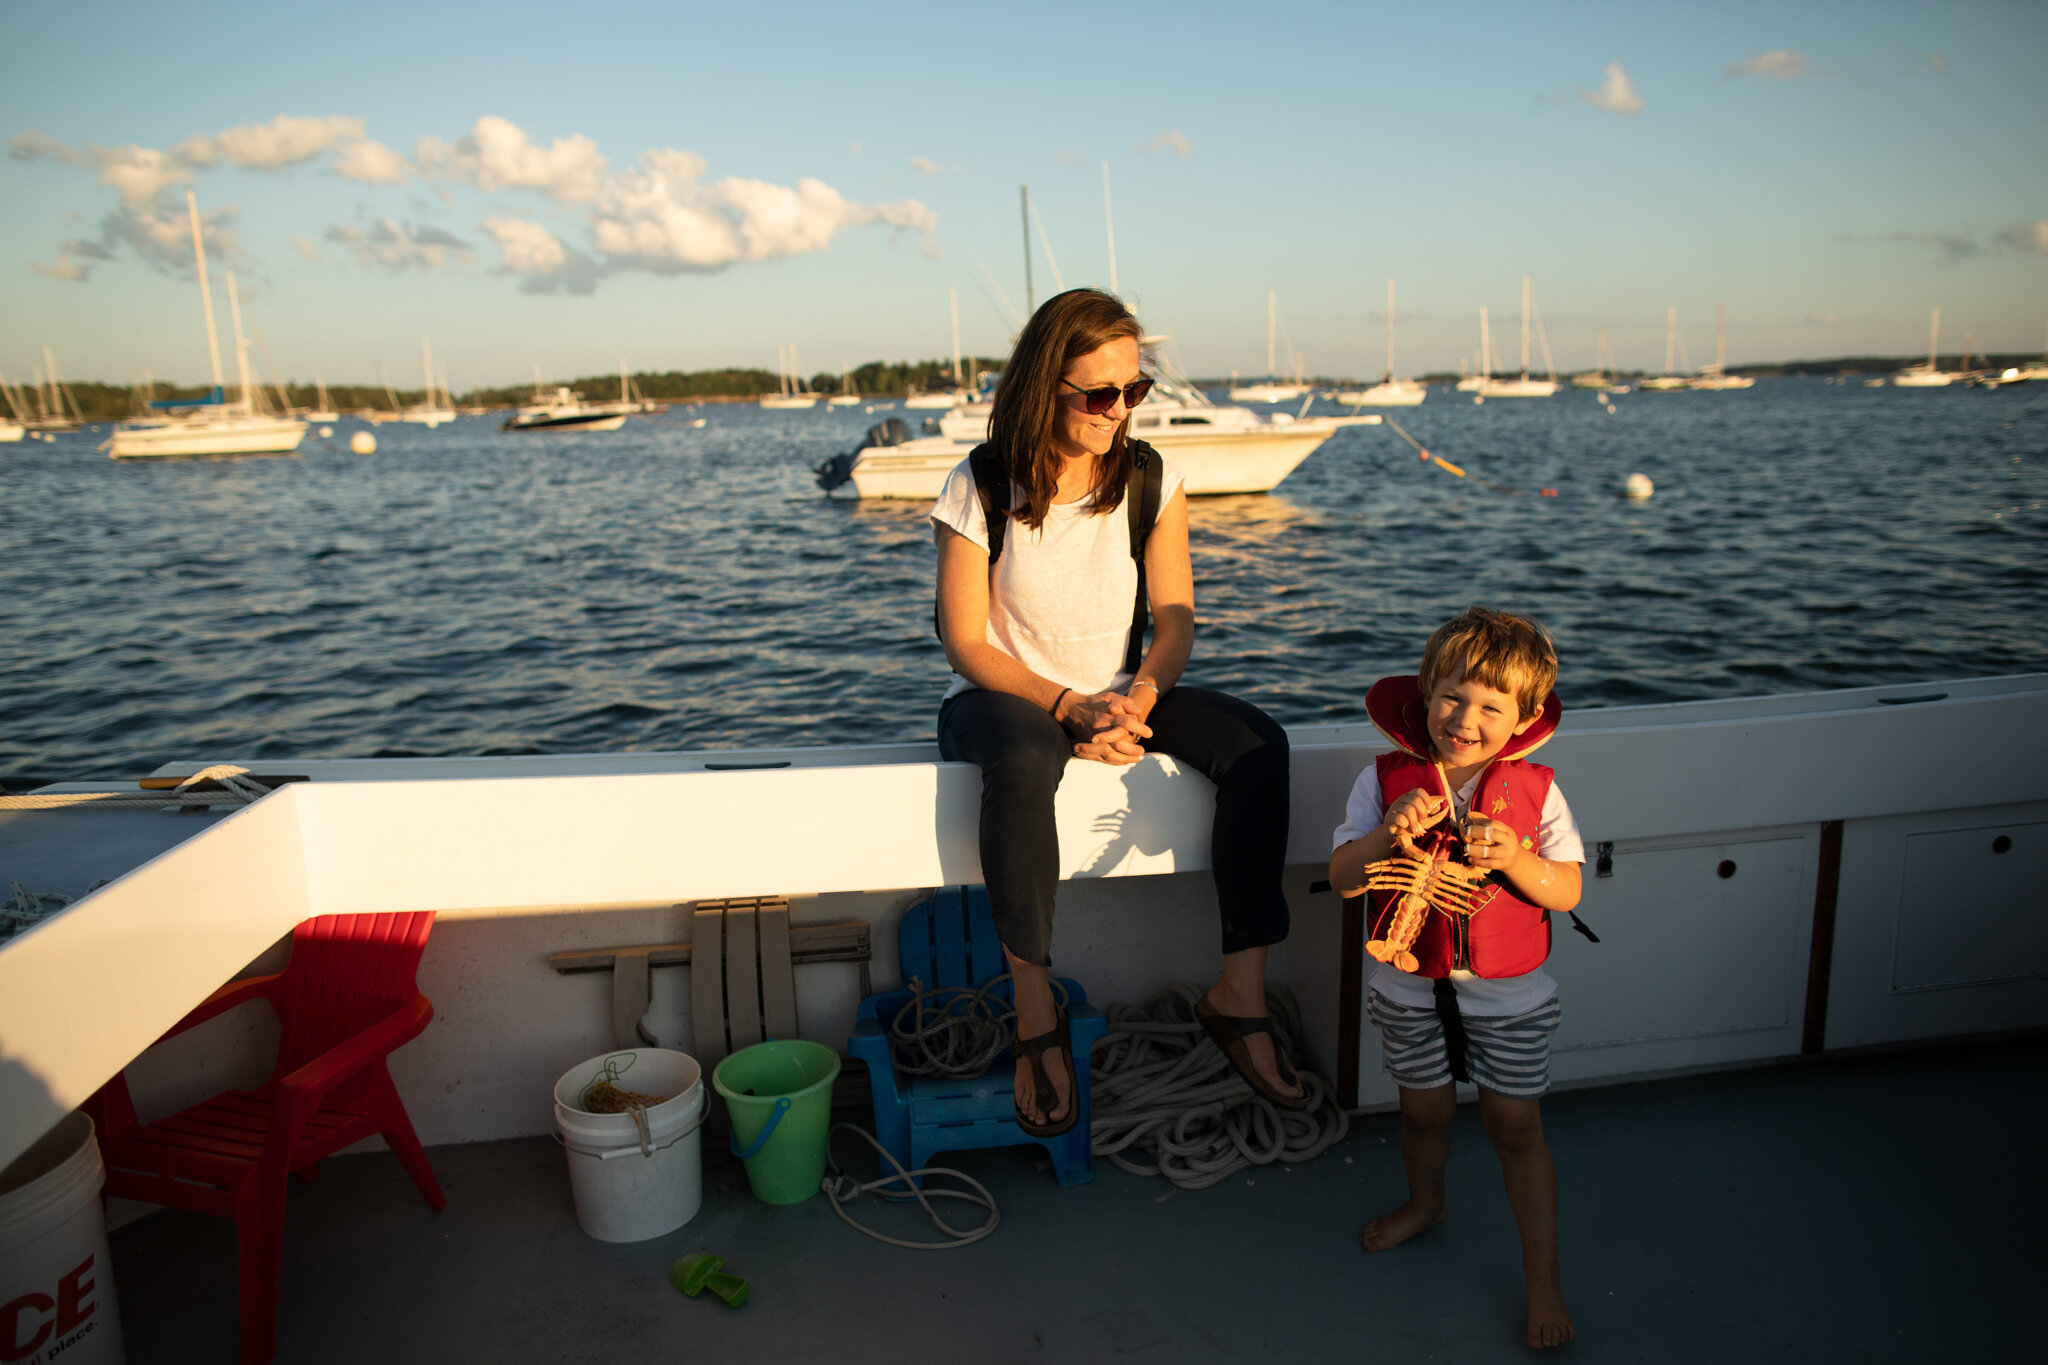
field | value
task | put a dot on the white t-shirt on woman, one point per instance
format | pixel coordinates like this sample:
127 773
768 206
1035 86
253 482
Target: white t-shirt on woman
1059 601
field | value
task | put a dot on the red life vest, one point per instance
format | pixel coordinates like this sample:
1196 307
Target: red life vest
1506 936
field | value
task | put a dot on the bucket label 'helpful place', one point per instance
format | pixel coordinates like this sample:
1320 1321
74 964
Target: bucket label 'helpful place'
36 1327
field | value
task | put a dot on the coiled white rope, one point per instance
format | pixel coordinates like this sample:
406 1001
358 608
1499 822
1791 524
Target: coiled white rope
1157 1084
843 1189
234 788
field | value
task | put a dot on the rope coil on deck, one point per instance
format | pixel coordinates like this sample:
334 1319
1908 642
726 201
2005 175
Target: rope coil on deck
233 787
955 1031
1160 1086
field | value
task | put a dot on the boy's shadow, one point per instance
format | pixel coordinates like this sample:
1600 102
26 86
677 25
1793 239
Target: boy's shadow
1160 799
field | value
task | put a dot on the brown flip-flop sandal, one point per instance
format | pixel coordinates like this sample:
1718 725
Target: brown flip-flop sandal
1032 1050
1228 1032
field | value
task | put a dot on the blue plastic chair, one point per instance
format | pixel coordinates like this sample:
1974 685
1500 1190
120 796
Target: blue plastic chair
951 940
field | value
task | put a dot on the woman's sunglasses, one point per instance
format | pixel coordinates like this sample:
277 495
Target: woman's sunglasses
1099 401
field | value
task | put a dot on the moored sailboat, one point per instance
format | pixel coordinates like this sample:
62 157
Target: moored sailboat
210 426
1389 392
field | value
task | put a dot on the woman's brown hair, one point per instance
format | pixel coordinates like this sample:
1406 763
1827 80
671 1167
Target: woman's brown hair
1067 327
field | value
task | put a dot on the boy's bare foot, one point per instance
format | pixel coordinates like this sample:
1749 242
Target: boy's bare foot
1549 1322
1389 1230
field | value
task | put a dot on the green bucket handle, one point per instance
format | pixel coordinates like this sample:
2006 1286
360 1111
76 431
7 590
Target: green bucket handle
760 1138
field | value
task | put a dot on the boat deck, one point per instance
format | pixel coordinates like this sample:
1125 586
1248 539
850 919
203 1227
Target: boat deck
1868 1208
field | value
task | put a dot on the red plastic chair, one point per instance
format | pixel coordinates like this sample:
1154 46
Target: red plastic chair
347 998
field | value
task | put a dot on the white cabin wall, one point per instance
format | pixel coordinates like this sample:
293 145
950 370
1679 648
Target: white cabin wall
1937 932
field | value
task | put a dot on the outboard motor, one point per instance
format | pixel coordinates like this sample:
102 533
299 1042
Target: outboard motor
893 431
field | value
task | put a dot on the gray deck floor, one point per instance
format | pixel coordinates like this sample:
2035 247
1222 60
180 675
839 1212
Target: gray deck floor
1856 1209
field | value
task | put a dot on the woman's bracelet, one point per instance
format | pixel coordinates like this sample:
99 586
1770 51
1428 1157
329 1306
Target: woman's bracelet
1054 709
1144 682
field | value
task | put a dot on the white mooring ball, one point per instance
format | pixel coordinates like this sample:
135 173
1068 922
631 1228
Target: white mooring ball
1638 487
363 443
326 432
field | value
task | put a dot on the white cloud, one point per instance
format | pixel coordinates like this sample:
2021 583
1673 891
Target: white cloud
1777 65
401 246
1168 140
662 219
2028 237
35 144
924 165
286 140
498 155
373 163
658 214
1957 246
65 269
1617 96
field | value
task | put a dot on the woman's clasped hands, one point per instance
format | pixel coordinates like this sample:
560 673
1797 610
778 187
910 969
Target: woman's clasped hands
1108 727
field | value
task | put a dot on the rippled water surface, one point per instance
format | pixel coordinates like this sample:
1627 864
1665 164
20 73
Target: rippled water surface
467 592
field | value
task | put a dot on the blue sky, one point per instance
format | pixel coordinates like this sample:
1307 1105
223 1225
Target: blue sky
686 189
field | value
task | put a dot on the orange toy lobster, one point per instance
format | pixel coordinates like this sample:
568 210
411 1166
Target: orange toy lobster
1427 879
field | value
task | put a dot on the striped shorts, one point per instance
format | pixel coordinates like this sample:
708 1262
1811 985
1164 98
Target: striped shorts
1508 1054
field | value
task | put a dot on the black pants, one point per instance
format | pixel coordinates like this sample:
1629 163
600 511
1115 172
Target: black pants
1023 752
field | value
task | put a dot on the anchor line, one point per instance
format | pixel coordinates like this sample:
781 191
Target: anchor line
1429 457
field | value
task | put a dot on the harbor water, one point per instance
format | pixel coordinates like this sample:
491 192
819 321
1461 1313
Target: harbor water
464 591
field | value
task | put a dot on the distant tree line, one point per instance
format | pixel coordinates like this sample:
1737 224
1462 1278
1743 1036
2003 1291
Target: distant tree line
98 402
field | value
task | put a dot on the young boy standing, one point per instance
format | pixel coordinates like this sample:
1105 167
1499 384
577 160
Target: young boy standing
1474 1001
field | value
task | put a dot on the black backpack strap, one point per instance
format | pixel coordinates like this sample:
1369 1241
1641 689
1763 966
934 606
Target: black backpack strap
992 486
995 510
1141 503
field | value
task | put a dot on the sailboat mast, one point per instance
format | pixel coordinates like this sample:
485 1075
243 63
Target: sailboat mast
427 364
205 294
1272 321
1720 336
1670 335
953 302
1485 346
1525 326
248 403
1390 329
624 396
1024 197
1109 225
1933 337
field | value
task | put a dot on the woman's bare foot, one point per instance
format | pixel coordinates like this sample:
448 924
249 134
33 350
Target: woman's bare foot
1549 1322
1389 1230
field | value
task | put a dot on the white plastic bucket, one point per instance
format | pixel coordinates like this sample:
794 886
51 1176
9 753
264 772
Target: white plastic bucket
56 1284
631 1185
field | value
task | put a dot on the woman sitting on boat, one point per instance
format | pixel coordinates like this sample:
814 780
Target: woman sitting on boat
1045 644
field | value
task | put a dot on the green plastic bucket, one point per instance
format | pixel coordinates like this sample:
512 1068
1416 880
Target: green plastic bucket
780 1097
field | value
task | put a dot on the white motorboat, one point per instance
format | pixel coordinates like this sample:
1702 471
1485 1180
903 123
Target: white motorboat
1715 377
1521 386
567 410
1810 905
211 426
938 399
1220 449
1927 376
1389 392
793 395
1670 381
12 431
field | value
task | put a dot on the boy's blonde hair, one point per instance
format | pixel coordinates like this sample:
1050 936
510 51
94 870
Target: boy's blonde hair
1499 649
